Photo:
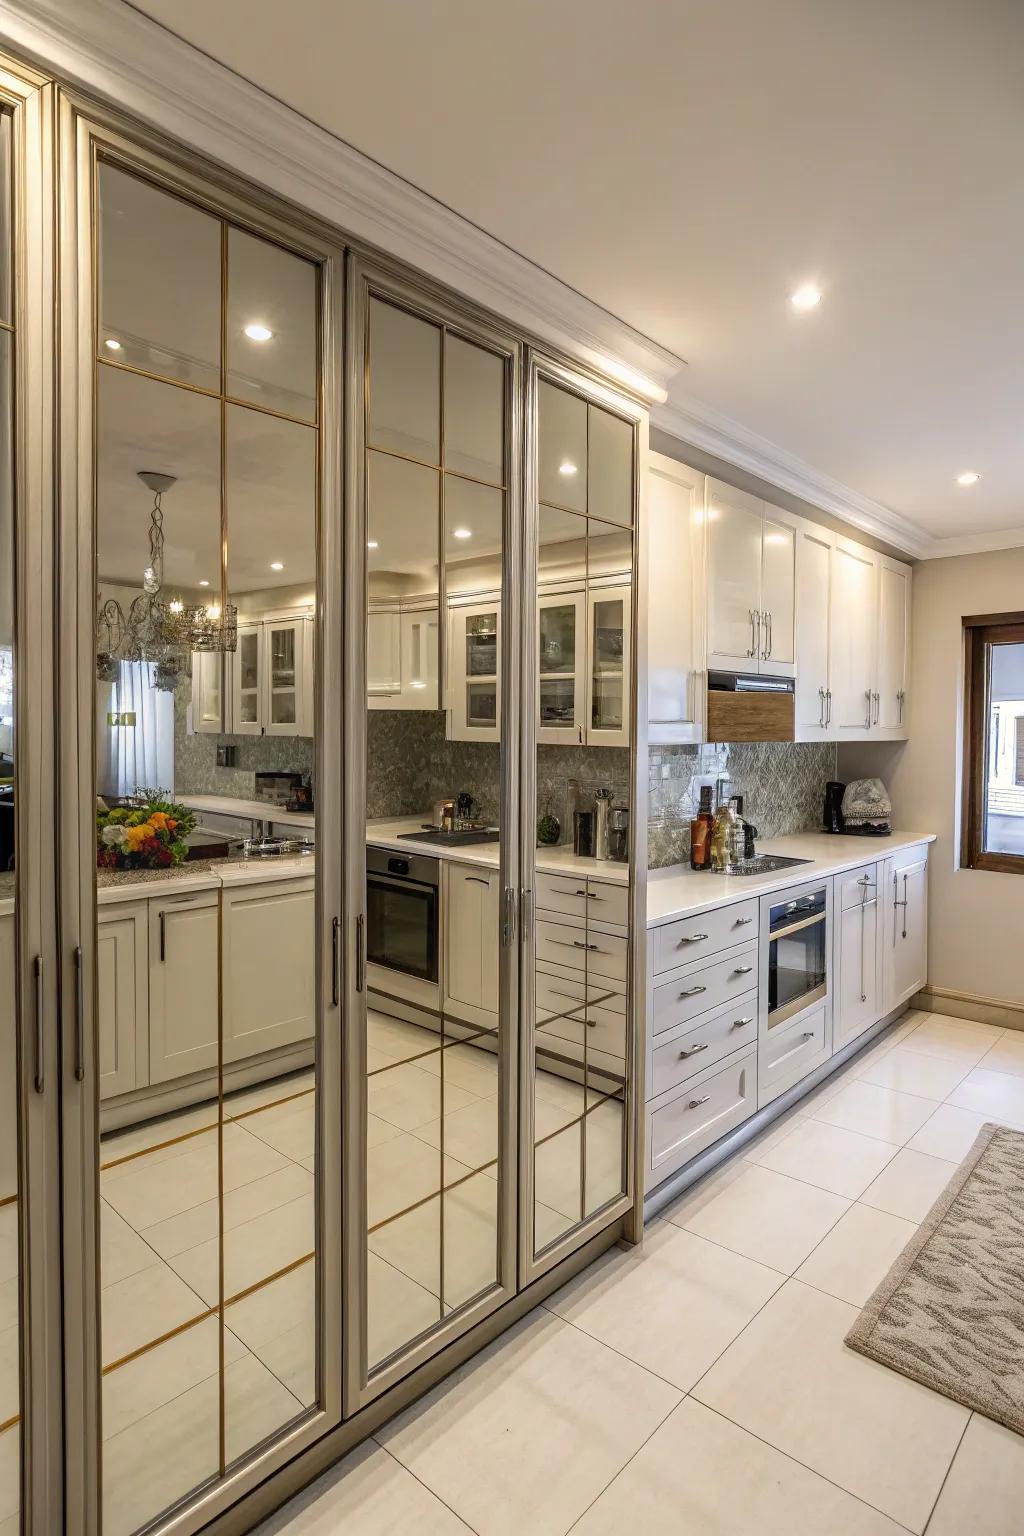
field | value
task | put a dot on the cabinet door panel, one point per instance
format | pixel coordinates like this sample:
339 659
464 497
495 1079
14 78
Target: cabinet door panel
609 671
207 692
562 674
852 629
471 939
383 656
184 973
778 602
908 952
474 688
734 525
893 636
814 583
246 669
269 995
675 510
122 988
857 1000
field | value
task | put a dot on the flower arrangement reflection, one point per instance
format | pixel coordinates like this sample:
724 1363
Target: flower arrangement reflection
151 833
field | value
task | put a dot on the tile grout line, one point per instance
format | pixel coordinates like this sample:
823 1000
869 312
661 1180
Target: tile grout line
945 1480
417 1479
616 1475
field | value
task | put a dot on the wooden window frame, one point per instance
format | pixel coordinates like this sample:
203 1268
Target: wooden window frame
979 633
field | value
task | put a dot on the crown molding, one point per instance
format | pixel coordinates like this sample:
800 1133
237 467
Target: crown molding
131 61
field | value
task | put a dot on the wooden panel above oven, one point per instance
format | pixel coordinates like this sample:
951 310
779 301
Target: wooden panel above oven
736 716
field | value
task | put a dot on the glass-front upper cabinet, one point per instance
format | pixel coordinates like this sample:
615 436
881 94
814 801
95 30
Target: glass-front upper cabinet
431 1076
216 1078
578 818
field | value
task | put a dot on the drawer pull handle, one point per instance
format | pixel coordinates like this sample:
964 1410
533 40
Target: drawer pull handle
807 1035
579 944
590 895
693 938
741 922
693 1050
696 1103
741 970
739 1023
693 991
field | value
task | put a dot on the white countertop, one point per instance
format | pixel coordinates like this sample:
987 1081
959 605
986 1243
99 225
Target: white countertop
249 810
679 891
559 860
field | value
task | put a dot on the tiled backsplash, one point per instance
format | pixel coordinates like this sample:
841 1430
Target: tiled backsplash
195 758
782 784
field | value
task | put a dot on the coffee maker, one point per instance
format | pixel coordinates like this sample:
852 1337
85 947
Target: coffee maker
832 816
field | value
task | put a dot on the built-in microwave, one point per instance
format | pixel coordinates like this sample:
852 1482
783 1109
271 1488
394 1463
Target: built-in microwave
795 945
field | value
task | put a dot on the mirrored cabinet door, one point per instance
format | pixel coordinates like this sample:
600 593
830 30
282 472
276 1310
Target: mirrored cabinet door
209 1098
579 801
436 1232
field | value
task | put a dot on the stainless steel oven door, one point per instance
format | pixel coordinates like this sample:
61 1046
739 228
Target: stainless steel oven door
797 943
402 917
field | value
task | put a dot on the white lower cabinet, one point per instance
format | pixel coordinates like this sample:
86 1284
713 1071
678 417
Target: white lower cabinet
269 962
472 938
790 1051
184 975
857 954
905 946
122 991
682 1123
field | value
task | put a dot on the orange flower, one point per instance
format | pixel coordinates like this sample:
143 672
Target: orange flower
158 821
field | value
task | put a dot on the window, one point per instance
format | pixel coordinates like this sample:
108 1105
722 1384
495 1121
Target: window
993 829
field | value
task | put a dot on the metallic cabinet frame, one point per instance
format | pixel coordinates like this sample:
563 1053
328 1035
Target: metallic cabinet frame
370 278
86 134
30 101
546 367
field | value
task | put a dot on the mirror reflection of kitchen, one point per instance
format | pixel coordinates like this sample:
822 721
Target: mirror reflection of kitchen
207 399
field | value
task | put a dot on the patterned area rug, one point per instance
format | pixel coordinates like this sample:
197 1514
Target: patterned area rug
950 1312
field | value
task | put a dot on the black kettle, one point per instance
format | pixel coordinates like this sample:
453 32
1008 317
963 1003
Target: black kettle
832 815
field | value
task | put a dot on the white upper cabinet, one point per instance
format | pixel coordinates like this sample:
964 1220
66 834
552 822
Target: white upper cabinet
814 554
675 640
893 647
474 671
751 559
735 525
853 625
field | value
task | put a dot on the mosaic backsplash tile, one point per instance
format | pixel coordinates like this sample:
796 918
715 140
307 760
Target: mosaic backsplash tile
782 784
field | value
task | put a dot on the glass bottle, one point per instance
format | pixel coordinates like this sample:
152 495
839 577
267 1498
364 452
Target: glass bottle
700 831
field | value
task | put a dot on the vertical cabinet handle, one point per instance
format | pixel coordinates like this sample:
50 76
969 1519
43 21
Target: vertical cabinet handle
821 708
163 937
37 976
361 953
828 716
867 722
767 617
79 1016
753 643
335 961
878 706
904 906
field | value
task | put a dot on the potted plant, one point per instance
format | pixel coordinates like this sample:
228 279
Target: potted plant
151 833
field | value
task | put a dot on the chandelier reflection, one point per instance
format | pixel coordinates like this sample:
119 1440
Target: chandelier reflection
164 631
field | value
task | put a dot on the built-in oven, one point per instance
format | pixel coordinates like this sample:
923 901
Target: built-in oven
795 945
403 925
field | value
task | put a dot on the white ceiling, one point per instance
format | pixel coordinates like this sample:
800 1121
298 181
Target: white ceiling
688 165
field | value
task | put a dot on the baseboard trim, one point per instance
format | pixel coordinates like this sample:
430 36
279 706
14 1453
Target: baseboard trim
966 1005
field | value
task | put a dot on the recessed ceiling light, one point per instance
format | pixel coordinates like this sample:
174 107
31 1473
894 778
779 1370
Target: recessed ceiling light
372 544
113 343
567 467
462 533
176 605
277 565
204 583
969 477
806 297
257 331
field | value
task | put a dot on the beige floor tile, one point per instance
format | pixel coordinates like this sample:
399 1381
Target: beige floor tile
245 1100
122 1251
292 1359
559 1091
873 1111
396 1038
202 1223
524 1437
10 1292
168 1137
791 1380
996 1095
412 1244
271 1311
397 1309
558 1165
605 1171
910 1071
377 1132
367 1494
10 1377
1007 1055
144 1193
467 1066
8 1240
766 1216
700 1474
857 1254
908 1186
950 1133
470 1131
253 1250
10 1456
954 1039
984 1492
829 1157
289 1128
777 1131
408 1097
161 1374
144 1307
403 1171
672 1306
705 1190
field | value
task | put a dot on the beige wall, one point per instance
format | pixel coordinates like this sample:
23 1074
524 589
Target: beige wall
976 918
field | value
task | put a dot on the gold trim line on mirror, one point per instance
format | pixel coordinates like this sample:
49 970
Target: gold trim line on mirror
209 394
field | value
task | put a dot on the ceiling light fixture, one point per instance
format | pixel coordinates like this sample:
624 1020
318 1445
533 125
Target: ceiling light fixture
462 533
257 331
969 477
372 544
113 343
277 565
806 297
567 467
204 583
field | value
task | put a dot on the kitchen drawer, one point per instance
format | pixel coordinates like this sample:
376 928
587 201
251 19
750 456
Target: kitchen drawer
693 938
570 896
603 954
906 858
700 1047
850 888
699 1113
703 988
790 1051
